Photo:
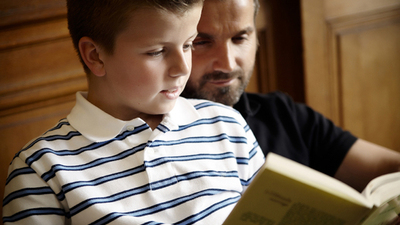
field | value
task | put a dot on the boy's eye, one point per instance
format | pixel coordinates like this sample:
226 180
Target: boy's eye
187 47
156 53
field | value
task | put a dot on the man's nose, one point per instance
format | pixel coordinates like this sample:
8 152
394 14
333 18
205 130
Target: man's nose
224 59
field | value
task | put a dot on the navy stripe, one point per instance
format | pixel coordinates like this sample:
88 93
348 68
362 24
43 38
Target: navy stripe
199 139
33 212
190 176
17 172
242 160
209 121
154 186
55 168
66 137
38 154
87 203
203 104
159 161
247 182
253 151
162 128
206 212
60 196
157 208
25 192
71 186
246 128
210 104
141 168
59 125
152 223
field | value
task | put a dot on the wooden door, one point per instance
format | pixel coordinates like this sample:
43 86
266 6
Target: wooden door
352 65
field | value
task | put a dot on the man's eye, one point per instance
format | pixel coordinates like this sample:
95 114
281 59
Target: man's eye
239 39
200 42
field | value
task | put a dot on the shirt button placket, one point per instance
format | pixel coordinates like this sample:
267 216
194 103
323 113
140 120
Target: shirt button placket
130 128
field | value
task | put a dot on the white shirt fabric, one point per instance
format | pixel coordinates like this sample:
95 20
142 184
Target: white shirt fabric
92 168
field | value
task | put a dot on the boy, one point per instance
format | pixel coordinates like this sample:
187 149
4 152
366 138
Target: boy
132 151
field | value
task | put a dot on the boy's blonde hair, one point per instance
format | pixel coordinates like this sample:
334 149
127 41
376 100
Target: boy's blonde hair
103 20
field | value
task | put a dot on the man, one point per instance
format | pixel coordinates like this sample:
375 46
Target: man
223 61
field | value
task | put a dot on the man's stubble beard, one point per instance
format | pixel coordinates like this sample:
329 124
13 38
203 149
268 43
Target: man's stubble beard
228 95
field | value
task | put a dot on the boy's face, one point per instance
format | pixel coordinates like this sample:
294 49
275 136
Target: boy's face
150 65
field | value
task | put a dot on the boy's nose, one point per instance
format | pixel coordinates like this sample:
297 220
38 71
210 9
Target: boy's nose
224 59
180 65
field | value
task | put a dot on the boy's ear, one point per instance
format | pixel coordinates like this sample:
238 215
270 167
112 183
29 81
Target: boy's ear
90 53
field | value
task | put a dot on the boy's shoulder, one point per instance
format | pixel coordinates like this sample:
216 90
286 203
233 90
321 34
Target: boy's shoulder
207 105
210 109
62 131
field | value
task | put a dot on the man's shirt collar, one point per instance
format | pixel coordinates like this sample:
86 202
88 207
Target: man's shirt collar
247 107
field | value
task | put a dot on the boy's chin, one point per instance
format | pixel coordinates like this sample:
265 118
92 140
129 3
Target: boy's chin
164 108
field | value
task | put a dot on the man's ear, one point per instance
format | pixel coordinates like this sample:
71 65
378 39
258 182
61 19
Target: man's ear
90 53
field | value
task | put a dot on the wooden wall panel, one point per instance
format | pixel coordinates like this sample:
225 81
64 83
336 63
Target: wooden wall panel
18 129
261 81
351 65
370 83
40 73
22 11
339 8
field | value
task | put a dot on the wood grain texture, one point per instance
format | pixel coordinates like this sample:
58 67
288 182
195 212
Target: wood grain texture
351 60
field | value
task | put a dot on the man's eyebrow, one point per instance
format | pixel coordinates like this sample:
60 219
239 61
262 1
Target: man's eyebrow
204 35
247 30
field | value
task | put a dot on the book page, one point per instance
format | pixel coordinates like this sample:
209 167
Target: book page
314 178
384 192
383 188
274 198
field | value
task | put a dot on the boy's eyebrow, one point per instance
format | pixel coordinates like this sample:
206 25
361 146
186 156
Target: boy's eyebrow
194 35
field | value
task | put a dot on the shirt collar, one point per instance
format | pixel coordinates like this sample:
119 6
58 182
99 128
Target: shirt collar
98 126
247 107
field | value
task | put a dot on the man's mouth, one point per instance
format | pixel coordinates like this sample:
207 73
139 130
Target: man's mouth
221 79
222 82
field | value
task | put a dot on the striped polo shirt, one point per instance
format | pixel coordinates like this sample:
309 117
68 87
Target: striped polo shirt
92 168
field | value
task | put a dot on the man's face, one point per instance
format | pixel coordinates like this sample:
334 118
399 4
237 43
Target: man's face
224 54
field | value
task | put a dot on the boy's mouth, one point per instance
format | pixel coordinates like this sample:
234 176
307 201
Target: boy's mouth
172 93
172 90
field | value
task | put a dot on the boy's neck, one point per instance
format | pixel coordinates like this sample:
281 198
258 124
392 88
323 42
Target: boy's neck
153 121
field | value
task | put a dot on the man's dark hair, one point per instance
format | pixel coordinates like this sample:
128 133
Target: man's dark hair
103 20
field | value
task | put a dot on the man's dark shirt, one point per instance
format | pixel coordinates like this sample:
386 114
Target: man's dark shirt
295 131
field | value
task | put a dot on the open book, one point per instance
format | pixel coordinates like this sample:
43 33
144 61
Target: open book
286 192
